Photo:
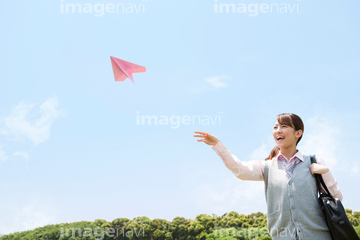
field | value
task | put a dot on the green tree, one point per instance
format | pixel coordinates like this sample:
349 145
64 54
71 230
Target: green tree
159 229
138 229
120 225
179 228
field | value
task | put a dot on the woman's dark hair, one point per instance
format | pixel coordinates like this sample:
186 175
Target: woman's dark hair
291 120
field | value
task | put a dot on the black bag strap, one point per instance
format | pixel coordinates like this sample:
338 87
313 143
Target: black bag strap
320 181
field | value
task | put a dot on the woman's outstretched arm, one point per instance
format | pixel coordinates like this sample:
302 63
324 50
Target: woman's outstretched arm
251 170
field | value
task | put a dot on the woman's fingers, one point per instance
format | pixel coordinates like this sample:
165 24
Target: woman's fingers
318 169
207 138
203 134
198 135
199 132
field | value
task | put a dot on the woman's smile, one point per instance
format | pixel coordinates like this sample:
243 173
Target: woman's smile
280 139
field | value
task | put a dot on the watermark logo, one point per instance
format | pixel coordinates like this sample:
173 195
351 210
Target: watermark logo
99 233
254 233
254 9
100 9
175 121
249 233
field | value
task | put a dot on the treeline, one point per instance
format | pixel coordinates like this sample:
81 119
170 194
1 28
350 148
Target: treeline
230 226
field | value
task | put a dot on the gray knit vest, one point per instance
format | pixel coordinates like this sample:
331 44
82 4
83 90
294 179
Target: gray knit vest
293 211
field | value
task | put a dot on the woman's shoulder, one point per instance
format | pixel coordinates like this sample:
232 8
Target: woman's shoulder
268 162
318 158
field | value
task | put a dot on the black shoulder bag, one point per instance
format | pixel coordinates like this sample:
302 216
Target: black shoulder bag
339 225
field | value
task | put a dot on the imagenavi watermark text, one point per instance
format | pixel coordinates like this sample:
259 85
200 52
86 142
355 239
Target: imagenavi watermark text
249 233
100 9
176 121
254 233
99 233
254 9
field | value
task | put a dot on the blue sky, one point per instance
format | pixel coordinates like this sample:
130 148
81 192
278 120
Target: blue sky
70 146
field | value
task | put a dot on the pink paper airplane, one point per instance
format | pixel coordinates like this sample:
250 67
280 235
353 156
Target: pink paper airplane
123 69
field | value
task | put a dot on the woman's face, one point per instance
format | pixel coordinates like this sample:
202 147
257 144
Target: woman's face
285 136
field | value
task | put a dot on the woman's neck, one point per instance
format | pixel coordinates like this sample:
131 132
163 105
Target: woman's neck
288 152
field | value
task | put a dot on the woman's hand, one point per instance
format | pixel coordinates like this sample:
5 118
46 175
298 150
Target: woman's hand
208 138
318 169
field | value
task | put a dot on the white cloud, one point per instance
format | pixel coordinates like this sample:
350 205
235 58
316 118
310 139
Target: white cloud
215 81
320 138
36 213
260 153
355 170
3 156
22 154
232 194
210 83
34 124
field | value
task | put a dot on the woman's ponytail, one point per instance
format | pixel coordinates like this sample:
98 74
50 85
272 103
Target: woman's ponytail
274 152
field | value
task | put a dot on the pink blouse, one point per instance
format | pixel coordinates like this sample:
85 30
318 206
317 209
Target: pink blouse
254 170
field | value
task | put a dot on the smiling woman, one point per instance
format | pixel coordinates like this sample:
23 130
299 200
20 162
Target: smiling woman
293 211
290 126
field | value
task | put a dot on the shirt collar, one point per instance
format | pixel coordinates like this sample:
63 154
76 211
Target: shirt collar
298 154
